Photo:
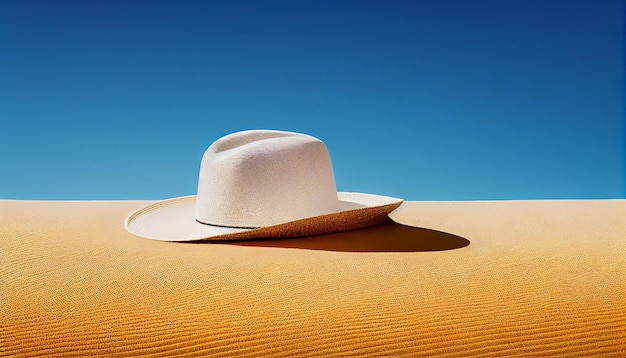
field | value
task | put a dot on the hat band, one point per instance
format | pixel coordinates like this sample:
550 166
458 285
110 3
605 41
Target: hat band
230 227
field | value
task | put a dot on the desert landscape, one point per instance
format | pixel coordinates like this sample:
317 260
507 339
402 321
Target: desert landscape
475 278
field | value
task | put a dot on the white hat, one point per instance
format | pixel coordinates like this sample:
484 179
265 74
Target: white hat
261 184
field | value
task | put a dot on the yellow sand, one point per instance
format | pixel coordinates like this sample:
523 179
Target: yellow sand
537 278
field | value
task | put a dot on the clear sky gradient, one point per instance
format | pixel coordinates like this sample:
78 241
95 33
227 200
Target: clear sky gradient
423 100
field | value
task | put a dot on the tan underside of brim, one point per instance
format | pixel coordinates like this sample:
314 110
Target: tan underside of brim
174 220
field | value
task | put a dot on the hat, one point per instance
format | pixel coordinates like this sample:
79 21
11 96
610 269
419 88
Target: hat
261 184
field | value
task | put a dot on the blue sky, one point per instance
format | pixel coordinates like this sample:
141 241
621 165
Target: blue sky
423 100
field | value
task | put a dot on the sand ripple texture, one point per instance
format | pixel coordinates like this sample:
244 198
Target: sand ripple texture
538 278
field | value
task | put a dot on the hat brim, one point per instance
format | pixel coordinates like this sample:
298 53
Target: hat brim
174 220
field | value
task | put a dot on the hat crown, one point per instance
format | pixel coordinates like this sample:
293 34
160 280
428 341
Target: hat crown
262 178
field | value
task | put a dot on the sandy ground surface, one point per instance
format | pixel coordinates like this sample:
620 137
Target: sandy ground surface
510 278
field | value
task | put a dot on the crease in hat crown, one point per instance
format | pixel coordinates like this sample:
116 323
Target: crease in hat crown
259 178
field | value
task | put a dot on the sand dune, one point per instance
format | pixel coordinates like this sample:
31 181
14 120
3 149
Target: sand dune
503 278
